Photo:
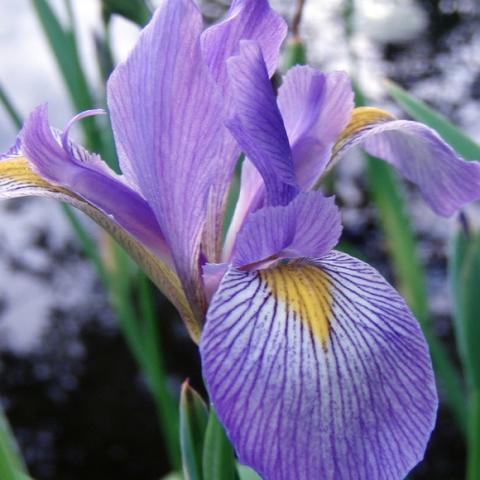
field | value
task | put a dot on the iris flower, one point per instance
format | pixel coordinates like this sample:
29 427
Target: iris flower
313 362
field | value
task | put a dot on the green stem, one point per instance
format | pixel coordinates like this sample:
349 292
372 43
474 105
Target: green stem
473 463
155 369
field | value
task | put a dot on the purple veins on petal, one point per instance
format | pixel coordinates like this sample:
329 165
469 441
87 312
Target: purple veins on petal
309 226
258 126
318 369
446 181
86 175
245 20
315 107
166 116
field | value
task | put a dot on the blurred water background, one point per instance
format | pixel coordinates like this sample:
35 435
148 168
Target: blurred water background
65 371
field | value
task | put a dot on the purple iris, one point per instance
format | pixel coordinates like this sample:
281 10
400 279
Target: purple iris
314 363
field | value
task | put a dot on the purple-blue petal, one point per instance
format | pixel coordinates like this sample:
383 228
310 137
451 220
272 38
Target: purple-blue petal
245 20
309 226
315 107
166 116
319 370
446 181
88 176
257 124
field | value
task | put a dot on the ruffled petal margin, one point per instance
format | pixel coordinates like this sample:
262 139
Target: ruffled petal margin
318 369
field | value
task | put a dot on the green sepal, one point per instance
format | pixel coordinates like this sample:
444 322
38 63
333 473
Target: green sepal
193 425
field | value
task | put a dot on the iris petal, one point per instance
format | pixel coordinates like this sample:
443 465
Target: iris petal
245 20
315 107
68 165
258 126
318 369
309 226
17 179
446 181
166 116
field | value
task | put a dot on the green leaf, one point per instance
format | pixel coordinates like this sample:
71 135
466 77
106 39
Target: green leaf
12 465
22 476
246 473
465 281
193 424
10 109
63 45
173 476
473 457
295 54
420 111
464 273
154 368
218 455
137 11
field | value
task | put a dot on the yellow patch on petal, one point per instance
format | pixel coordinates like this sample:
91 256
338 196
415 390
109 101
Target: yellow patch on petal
18 171
362 117
305 290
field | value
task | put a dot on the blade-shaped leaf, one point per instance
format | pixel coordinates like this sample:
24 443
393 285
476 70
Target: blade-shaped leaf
137 11
464 272
63 45
193 424
11 462
465 280
10 109
173 476
218 456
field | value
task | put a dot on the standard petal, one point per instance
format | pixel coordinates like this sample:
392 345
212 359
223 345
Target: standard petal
166 115
315 107
446 181
17 179
245 20
309 226
318 370
85 174
257 124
